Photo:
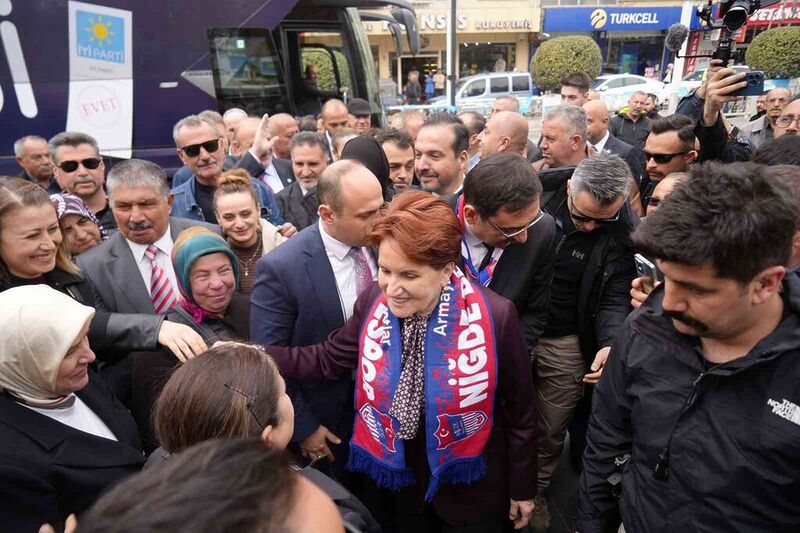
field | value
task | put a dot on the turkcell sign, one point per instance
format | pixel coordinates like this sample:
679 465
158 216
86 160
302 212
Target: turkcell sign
610 18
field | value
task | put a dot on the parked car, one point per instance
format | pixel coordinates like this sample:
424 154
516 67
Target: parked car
692 81
478 92
616 89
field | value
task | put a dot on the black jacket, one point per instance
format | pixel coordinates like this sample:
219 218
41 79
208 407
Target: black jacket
734 457
524 274
604 297
50 470
632 155
633 133
298 209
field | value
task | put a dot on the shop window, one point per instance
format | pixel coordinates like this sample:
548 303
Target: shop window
520 84
499 85
476 88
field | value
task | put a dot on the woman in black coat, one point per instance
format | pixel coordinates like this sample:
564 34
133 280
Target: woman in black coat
65 437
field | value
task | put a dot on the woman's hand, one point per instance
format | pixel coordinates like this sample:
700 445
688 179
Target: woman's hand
315 445
287 229
182 341
520 512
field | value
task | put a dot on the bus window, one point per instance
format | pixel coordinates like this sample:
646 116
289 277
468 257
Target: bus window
325 67
247 71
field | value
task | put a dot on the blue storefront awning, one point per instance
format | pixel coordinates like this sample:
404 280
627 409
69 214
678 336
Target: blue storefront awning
613 18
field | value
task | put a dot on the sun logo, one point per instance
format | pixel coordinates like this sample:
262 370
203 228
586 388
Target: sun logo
99 31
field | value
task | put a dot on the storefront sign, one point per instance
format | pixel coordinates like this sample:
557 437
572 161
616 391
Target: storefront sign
499 19
776 15
611 18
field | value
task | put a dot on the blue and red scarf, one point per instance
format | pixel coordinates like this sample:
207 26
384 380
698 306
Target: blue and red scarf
481 275
460 383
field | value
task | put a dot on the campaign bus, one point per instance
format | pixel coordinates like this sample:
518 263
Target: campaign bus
125 71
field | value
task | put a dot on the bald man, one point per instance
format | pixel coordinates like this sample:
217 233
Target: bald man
275 173
334 115
601 140
505 132
282 127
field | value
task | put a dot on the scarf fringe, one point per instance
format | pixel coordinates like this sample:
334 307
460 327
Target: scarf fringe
363 462
462 472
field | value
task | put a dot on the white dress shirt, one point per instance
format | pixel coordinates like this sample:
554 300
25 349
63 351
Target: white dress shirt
476 247
78 416
271 178
163 257
602 143
344 269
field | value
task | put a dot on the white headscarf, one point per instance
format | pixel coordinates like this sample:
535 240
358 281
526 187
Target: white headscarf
38 325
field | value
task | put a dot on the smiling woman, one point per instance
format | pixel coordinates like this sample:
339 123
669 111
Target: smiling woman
444 397
49 395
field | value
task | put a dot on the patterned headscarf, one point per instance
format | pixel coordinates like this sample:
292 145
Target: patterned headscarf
69 204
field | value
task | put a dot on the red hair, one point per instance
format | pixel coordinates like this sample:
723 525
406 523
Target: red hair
425 228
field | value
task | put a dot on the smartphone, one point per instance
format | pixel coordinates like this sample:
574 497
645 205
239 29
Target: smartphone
648 269
755 84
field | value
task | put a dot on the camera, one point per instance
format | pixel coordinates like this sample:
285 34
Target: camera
734 13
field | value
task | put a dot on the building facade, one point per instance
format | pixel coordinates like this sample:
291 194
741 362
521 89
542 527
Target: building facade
492 36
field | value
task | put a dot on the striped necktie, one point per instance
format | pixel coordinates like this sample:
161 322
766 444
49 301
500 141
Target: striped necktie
161 291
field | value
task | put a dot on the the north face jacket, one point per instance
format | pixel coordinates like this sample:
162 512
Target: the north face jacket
734 453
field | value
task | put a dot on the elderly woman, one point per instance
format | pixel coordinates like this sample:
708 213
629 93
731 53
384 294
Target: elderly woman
231 391
65 438
444 396
249 236
79 226
208 273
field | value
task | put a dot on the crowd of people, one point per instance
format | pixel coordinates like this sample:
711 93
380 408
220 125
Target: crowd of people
323 325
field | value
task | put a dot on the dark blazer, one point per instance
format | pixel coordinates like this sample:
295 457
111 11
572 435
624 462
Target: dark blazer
282 166
115 280
524 273
298 209
50 470
295 302
151 370
631 154
511 449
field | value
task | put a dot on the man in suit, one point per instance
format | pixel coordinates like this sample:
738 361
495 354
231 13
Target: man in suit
275 173
509 243
124 270
601 139
475 123
298 201
306 288
33 157
505 132
399 150
441 150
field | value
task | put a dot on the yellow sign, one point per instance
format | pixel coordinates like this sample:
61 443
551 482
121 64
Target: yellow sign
598 18
503 17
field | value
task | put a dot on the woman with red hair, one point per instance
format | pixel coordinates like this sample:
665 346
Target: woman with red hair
444 397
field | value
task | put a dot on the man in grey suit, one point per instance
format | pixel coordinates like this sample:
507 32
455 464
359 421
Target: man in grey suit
120 270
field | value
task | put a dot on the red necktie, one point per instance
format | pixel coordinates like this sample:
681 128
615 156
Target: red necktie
161 291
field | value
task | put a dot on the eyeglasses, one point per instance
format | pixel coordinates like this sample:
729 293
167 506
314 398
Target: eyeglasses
583 218
71 166
662 158
514 231
193 150
655 201
250 401
784 121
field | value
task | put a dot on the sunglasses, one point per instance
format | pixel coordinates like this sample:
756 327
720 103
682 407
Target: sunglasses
583 218
510 233
193 150
662 158
71 166
784 121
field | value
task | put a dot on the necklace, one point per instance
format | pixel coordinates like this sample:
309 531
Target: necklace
245 265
